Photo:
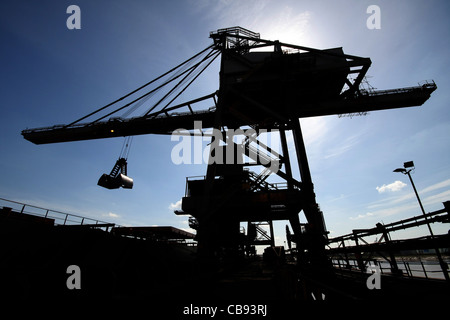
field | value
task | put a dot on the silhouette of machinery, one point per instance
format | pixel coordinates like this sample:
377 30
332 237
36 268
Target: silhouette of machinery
117 178
264 84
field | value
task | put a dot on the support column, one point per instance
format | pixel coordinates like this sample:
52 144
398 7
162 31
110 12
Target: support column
287 161
387 239
316 231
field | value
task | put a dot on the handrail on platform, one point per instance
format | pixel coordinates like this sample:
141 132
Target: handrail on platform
59 217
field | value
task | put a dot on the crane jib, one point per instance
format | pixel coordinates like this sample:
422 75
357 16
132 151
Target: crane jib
166 124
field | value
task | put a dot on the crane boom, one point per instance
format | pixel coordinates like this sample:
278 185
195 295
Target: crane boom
166 122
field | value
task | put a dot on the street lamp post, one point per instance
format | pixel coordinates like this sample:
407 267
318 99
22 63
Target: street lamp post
410 164
408 167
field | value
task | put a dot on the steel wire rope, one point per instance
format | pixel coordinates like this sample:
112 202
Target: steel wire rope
181 81
150 92
144 95
192 79
136 106
182 70
126 147
138 89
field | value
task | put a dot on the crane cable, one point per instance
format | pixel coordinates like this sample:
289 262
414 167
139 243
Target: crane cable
188 68
126 147
136 90
191 69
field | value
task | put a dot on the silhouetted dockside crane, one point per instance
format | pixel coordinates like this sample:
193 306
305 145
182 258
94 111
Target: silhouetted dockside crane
264 84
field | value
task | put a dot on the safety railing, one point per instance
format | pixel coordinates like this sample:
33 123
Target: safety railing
59 217
424 85
400 256
407 267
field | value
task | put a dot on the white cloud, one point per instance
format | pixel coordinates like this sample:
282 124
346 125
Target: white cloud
436 186
313 129
361 216
394 186
391 201
175 206
347 145
437 198
408 202
378 214
112 215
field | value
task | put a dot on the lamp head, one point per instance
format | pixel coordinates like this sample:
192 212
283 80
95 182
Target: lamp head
408 164
402 170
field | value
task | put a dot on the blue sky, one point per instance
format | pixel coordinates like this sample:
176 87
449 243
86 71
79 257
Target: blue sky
53 75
